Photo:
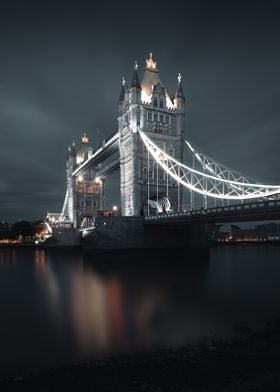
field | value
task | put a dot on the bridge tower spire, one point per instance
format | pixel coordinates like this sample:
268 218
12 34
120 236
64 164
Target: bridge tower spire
179 100
123 96
147 107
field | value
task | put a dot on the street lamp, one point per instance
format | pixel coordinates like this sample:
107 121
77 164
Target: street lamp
115 210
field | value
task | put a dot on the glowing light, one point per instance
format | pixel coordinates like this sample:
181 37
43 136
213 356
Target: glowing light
146 97
80 178
79 160
115 208
183 174
85 138
98 180
179 78
151 65
220 171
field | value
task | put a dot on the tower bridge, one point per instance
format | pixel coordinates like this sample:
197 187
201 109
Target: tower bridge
149 149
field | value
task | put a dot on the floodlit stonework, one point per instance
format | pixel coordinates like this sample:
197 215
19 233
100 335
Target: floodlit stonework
84 193
147 107
143 107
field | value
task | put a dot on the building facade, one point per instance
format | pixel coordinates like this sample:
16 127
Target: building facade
148 107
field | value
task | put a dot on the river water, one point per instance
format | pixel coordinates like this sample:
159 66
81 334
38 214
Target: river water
61 307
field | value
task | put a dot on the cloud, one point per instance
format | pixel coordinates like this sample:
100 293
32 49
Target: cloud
60 74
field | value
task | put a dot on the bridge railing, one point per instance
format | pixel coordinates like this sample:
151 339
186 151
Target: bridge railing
267 204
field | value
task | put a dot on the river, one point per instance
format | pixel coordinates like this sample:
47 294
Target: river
59 307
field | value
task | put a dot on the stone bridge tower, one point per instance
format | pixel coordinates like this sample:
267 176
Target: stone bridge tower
84 193
148 107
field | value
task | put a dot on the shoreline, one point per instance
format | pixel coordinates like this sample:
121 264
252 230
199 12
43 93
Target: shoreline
35 246
77 247
249 362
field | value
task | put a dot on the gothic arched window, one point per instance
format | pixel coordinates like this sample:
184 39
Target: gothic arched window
161 103
155 102
144 173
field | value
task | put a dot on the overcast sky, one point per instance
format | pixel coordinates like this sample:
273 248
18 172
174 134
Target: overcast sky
61 65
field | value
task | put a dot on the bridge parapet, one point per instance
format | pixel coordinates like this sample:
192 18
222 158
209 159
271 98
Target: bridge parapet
257 211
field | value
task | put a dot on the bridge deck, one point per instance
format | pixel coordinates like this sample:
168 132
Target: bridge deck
258 211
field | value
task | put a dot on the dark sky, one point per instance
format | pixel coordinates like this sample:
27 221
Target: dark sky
61 65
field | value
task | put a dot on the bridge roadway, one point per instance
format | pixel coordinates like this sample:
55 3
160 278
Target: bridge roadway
108 148
257 211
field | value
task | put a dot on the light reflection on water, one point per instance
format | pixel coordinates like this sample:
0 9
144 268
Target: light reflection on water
58 307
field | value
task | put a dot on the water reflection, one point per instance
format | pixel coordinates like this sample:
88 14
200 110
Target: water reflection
90 310
125 306
49 284
58 307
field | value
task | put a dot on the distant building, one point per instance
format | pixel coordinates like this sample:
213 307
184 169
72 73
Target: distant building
4 225
268 229
5 231
233 233
53 217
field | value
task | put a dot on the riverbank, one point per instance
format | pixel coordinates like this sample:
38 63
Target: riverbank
245 243
248 363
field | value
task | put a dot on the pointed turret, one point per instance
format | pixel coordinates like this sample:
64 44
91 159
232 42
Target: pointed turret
71 151
179 92
123 96
84 150
135 90
180 106
135 79
122 93
151 80
151 65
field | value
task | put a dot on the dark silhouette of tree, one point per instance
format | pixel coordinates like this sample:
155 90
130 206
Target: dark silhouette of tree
23 228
